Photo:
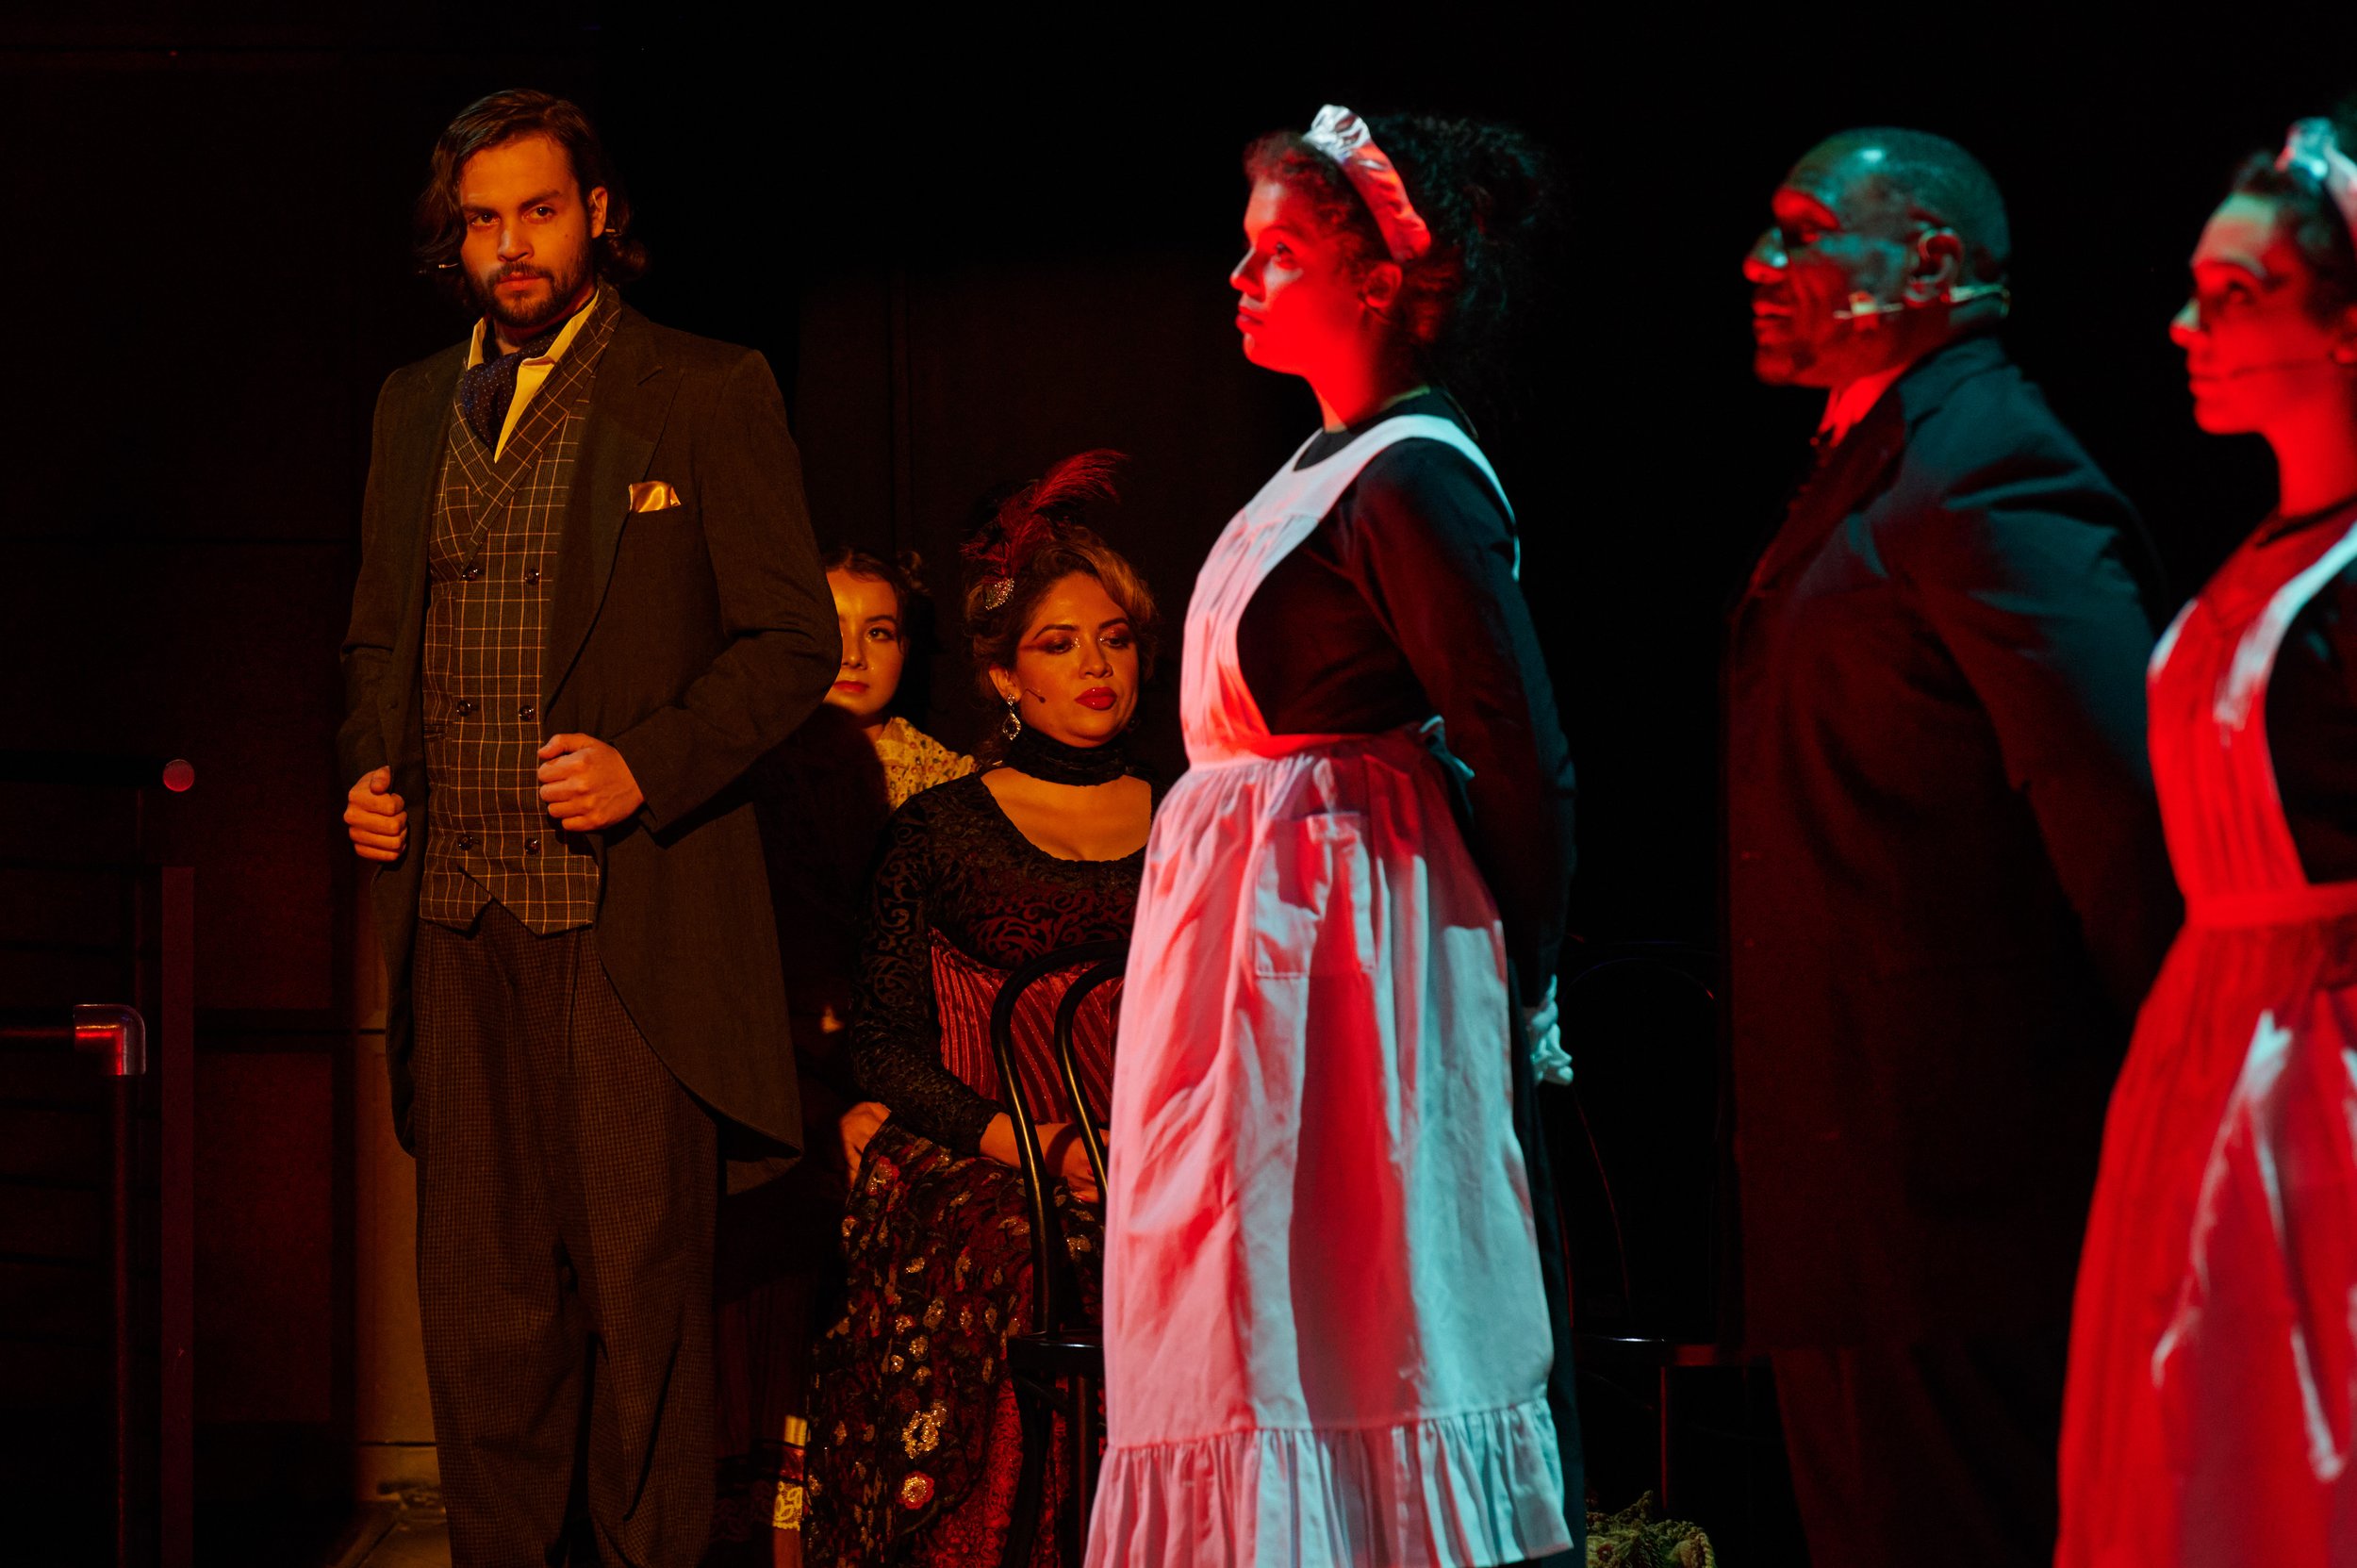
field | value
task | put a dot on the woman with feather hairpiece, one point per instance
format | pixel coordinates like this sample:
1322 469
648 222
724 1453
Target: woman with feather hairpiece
914 1438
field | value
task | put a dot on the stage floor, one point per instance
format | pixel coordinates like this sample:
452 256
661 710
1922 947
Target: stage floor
410 1532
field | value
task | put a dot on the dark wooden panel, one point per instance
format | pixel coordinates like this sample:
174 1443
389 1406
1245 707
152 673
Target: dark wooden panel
53 905
53 1222
47 1302
51 1375
51 1077
62 980
56 1145
56 1444
51 822
265 1241
227 655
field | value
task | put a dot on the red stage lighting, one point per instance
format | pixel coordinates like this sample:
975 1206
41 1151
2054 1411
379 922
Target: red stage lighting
117 1034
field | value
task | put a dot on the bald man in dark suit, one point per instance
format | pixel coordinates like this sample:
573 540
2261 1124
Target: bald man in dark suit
1946 888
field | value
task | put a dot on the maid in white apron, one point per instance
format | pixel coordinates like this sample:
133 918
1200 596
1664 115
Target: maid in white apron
1327 1335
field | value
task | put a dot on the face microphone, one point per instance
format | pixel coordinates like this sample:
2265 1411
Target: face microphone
1868 310
1865 307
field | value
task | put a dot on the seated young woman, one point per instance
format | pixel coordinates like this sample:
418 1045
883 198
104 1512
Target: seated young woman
822 800
915 1444
875 605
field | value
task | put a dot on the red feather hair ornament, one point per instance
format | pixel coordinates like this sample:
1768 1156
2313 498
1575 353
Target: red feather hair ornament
1030 518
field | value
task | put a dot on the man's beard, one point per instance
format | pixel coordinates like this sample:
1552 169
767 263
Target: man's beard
519 320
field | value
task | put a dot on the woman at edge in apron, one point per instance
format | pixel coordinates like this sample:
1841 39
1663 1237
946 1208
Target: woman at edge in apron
2211 1405
1328 1336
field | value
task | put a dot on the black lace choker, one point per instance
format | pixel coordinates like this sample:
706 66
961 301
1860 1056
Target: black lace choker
1053 762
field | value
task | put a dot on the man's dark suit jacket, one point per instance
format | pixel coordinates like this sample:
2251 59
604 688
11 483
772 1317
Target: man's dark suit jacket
1946 886
691 640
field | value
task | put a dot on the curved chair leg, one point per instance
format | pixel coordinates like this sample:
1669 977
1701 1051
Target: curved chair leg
1036 1406
1081 1436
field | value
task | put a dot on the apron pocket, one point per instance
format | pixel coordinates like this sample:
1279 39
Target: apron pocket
1313 898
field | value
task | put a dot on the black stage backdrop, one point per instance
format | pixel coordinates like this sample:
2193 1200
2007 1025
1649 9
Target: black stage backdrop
968 247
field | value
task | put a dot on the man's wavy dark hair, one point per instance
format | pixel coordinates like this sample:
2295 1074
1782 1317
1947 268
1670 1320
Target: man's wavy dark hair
503 117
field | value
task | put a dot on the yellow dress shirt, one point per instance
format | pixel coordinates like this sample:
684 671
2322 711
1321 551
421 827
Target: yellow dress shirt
533 372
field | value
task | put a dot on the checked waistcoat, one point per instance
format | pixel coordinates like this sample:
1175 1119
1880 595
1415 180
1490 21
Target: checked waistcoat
491 575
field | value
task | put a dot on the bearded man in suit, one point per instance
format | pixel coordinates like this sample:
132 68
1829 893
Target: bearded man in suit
589 598
1946 888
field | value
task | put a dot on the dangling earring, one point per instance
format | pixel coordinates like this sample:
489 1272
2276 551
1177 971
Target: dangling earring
1014 726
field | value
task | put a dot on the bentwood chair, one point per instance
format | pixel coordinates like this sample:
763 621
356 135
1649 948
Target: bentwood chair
1645 1189
1059 1363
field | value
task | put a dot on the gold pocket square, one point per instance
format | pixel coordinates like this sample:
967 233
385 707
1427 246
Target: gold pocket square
652 495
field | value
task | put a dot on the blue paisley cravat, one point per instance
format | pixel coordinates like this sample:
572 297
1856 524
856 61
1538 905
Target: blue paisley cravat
485 390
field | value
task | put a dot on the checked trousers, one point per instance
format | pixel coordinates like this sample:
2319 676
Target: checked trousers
566 1189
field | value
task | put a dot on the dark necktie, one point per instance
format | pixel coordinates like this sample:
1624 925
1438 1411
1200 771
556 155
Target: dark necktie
1822 448
485 390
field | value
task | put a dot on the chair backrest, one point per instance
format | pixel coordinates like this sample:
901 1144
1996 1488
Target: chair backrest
1639 1168
1105 960
1109 968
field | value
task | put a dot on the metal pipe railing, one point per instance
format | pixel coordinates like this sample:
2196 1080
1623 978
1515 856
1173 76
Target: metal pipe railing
117 1035
152 1077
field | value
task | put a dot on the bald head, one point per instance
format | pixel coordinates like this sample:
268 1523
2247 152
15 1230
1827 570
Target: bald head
1913 177
1885 245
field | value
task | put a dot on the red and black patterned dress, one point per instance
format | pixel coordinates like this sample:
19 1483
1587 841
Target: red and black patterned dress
913 1443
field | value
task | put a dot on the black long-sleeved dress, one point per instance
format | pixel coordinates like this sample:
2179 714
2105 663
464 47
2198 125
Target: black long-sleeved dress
2311 715
1404 604
911 1459
957 871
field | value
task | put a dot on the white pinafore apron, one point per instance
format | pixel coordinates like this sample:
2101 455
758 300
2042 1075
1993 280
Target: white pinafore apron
1326 1340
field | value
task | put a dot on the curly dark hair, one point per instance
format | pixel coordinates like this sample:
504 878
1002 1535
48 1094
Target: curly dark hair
1486 193
2312 218
503 117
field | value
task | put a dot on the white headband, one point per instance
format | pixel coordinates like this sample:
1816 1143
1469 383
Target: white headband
1343 137
2314 148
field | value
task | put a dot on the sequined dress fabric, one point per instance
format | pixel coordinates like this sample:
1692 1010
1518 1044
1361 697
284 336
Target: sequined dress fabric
915 1443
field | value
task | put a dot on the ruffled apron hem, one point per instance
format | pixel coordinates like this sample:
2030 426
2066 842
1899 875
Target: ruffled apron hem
1448 1491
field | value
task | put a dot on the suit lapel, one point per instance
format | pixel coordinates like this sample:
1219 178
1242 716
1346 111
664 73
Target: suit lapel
414 478
1846 477
628 404
1857 466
